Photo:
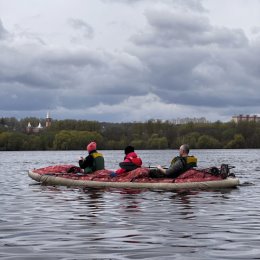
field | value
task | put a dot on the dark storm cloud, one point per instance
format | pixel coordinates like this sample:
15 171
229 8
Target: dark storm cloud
47 69
172 29
193 62
74 79
27 71
179 57
15 97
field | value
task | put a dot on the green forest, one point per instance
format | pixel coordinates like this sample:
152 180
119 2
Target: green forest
152 134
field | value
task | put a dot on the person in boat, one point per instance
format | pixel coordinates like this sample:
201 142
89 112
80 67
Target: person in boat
179 164
94 161
131 161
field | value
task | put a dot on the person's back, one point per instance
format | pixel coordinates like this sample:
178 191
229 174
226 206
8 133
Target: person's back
99 162
94 161
131 161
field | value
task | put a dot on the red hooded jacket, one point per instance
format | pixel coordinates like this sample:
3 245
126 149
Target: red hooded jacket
131 158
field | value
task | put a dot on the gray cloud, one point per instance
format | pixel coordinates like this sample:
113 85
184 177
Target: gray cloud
171 29
194 5
77 79
179 64
3 32
192 62
124 1
16 97
86 29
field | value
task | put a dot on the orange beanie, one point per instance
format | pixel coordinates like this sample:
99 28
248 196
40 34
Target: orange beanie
91 147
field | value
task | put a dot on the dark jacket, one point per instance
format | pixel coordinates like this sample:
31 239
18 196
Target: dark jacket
93 162
180 165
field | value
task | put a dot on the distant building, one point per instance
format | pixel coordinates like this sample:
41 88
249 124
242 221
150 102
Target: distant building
48 120
34 130
246 118
181 121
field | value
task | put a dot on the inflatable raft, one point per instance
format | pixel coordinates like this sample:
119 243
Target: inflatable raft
69 175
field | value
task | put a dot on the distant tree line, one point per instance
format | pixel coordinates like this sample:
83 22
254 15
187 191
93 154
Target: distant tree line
152 134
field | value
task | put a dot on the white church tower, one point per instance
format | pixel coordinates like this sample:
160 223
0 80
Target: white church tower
48 120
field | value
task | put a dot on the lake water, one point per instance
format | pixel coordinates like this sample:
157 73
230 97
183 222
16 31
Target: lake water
41 222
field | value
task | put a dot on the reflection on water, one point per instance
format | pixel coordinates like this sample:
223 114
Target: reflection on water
44 222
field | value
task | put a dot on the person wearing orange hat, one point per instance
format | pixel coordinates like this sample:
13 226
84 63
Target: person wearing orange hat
94 161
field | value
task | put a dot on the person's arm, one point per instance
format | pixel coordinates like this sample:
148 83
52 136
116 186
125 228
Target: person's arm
174 170
87 162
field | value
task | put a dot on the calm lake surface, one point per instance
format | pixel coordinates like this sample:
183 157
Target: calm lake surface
44 222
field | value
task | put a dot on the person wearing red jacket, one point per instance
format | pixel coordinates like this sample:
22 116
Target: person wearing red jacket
131 161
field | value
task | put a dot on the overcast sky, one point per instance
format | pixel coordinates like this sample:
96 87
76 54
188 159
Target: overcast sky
129 60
